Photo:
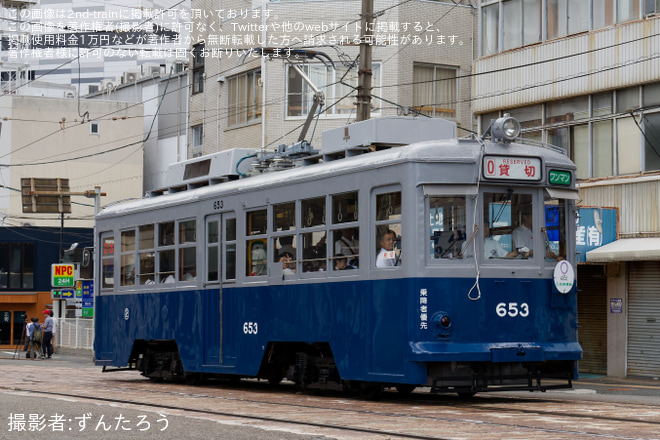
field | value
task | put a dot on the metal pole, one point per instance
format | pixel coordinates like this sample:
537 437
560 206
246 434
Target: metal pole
364 72
61 236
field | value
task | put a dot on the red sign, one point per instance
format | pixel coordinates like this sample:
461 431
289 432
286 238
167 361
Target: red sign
512 168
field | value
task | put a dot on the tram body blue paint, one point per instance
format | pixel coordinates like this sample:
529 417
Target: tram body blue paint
373 327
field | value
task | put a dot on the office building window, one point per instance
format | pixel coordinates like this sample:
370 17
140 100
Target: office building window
198 68
244 94
337 85
434 90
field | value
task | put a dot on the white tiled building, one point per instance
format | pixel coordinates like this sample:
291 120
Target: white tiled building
585 75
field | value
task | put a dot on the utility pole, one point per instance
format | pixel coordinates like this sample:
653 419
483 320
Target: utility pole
364 72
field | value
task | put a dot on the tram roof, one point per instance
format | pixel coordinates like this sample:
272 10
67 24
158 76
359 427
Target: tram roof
438 151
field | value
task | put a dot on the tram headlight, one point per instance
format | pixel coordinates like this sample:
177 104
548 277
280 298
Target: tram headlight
505 129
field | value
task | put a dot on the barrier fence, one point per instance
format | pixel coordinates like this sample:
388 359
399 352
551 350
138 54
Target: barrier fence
75 333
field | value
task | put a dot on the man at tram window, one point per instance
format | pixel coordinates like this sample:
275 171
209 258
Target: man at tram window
348 244
388 257
523 238
492 247
287 258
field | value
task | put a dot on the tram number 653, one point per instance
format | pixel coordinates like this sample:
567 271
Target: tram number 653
250 328
512 309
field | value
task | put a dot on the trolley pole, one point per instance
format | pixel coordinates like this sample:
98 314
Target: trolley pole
364 72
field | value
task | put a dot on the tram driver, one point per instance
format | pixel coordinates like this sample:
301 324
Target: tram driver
492 247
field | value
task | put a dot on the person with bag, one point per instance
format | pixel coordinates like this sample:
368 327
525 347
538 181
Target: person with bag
27 327
48 328
35 333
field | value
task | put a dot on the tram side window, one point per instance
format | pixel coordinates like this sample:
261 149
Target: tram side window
166 257
447 220
229 244
108 265
345 240
127 274
313 212
388 229
284 247
554 232
285 253
314 243
187 250
147 255
256 246
212 248
284 217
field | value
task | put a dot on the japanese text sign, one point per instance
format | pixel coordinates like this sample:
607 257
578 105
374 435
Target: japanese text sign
512 168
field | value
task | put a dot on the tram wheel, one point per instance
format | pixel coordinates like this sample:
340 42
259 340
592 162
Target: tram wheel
275 380
468 393
193 378
371 391
350 387
405 388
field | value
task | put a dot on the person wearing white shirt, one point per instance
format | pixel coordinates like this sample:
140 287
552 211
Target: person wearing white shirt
492 247
387 257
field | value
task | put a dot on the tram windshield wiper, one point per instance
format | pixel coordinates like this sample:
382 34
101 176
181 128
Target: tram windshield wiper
504 201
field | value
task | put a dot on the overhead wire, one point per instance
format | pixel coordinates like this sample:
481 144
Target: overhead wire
458 101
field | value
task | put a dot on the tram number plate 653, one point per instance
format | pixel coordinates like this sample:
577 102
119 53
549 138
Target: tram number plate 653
250 328
512 309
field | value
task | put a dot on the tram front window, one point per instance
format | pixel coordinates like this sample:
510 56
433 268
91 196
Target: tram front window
447 227
508 225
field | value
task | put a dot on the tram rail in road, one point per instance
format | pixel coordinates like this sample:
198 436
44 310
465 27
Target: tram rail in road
612 409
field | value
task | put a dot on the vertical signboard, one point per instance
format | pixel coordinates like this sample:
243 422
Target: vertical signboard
85 298
595 227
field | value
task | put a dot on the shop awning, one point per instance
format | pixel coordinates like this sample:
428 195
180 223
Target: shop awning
628 249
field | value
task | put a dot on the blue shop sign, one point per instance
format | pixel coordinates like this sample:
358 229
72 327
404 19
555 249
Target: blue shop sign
596 227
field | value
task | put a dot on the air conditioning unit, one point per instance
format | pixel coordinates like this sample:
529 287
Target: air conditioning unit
129 77
180 66
151 70
106 85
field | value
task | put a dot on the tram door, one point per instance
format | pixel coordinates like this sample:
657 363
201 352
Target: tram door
213 298
220 267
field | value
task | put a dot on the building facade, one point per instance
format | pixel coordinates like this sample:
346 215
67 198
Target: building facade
585 76
89 143
89 45
246 85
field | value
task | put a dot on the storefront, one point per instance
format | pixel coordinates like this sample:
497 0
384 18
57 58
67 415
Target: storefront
632 269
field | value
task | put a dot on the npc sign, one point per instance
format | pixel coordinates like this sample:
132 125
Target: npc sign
62 275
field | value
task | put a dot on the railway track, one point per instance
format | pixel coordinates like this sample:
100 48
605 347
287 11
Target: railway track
418 416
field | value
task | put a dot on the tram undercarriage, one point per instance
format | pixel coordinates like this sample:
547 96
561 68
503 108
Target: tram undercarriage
312 367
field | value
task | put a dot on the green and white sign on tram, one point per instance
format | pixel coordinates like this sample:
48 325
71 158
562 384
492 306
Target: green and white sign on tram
559 177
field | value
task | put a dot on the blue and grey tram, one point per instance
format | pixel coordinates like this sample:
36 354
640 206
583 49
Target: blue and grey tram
396 256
